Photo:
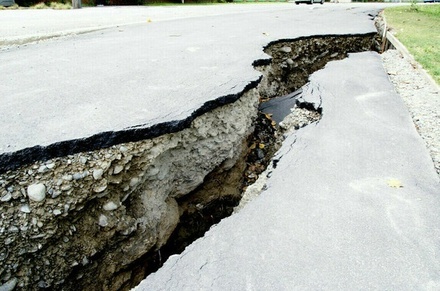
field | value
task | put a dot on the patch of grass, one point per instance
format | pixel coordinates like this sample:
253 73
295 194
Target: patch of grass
52 5
60 6
41 5
417 27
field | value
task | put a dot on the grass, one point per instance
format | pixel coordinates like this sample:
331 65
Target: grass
52 5
417 27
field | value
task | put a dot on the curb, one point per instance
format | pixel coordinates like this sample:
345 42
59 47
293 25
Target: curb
389 37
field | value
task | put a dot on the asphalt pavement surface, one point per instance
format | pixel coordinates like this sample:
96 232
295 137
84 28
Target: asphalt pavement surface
90 89
351 205
353 202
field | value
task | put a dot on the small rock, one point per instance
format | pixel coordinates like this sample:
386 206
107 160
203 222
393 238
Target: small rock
25 208
103 221
83 160
7 197
117 169
50 165
55 194
109 206
10 285
134 181
78 176
334 55
97 174
290 61
286 49
13 229
66 187
68 177
100 188
36 192
57 212
42 169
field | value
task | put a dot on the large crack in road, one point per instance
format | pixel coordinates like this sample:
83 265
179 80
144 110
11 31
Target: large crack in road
106 211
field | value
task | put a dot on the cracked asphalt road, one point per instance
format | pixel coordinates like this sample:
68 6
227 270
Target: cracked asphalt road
144 74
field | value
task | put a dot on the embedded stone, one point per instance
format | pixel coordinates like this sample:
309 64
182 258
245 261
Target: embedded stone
25 208
286 49
97 174
101 187
118 169
103 221
109 206
36 192
7 197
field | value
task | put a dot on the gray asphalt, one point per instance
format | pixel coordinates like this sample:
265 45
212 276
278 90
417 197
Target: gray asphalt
352 204
140 75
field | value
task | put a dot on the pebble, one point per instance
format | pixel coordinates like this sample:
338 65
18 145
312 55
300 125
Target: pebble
66 187
286 49
109 206
10 285
36 192
7 197
50 166
25 208
134 181
97 174
118 169
103 221
100 188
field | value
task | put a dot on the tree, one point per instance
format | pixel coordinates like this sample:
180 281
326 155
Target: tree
76 4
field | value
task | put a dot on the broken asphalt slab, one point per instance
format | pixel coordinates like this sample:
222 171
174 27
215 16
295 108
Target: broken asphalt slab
352 203
138 81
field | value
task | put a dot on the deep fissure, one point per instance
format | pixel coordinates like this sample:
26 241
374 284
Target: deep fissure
282 77
197 204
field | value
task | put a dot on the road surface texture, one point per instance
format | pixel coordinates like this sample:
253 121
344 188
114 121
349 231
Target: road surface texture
352 203
149 77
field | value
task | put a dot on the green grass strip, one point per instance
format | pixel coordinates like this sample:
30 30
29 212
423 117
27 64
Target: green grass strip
418 28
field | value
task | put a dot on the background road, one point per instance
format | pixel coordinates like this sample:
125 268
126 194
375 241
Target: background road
141 74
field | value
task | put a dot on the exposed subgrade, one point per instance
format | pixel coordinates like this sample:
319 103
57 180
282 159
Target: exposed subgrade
106 217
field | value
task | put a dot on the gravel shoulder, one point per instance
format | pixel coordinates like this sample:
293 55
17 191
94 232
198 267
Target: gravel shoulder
420 96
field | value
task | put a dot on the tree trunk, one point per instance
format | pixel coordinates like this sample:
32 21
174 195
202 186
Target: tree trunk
76 4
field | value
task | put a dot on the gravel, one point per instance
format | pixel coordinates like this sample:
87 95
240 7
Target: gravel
421 96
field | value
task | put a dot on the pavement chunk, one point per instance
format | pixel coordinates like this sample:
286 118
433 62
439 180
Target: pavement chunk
352 204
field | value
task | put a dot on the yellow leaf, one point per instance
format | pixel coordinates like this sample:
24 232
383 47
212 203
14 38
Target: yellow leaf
394 183
149 20
253 146
261 146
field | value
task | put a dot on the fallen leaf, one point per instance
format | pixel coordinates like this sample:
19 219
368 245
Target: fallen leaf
261 146
394 183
